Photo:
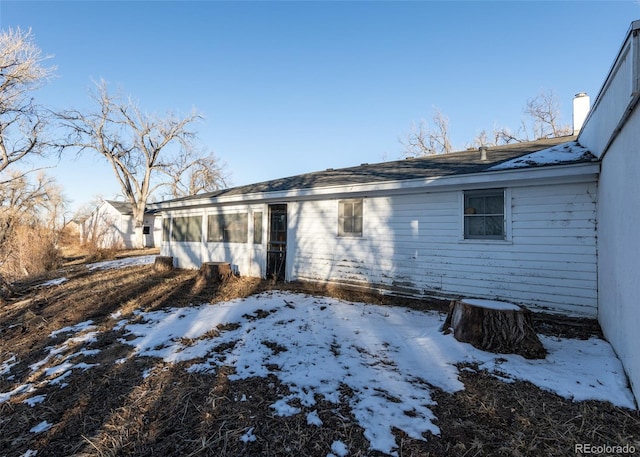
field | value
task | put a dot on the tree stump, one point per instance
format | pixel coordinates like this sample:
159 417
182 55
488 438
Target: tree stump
163 263
494 326
214 271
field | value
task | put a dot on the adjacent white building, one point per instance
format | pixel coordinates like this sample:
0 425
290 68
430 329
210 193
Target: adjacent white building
111 225
612 133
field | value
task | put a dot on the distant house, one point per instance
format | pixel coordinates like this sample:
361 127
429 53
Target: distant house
550 224
111 225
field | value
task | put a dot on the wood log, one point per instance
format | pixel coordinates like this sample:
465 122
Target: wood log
494 326
163 263
214 271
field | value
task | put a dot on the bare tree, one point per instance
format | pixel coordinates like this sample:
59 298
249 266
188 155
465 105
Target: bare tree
424 140
22 121
189 176
137 145
542 121
544 111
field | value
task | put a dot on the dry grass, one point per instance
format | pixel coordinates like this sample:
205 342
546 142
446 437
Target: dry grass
114 410
31 250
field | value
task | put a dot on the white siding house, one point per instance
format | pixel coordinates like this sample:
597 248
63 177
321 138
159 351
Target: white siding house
551 224
441 226
612 132
111 225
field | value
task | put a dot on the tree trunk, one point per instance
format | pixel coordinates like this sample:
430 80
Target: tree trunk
163 263
214 271
494 326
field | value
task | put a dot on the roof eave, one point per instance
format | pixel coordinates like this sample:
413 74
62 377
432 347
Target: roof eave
572 172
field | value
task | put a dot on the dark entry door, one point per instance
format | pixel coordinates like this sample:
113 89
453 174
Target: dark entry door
277 244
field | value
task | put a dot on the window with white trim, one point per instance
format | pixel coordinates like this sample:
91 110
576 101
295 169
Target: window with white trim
186 228
350 217
484 214
228 228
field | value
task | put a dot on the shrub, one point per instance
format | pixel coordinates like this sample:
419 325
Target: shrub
28 251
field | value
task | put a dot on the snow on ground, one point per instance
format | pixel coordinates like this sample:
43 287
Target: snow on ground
561 153
41 427
391 358
53 282
121 263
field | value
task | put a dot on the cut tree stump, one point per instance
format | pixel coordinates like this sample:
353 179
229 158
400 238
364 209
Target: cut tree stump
494 326
163 263
214 271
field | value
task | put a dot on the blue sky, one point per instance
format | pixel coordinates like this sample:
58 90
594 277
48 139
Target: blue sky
291 87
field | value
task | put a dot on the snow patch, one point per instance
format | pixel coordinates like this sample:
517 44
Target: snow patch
339 448
491 304
5 366
122 263
248 436
314 419
5 396
53 282
82 326
561 153
35 400
41 427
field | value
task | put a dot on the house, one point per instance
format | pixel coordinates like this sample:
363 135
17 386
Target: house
448 225
550 224
111 225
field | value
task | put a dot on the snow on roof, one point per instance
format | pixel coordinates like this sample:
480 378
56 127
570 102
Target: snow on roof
562 153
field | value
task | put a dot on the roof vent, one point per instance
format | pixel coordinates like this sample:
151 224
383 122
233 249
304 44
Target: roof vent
483 152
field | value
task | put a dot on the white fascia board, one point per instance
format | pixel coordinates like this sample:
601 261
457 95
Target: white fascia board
487 179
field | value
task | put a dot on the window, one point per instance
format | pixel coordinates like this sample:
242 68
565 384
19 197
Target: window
228 228
166 228
350 217
257 227
484 214
186 228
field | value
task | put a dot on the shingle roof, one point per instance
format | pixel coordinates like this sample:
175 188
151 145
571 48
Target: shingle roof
457 163
123 208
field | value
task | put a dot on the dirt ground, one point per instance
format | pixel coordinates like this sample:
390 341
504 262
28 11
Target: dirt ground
113 410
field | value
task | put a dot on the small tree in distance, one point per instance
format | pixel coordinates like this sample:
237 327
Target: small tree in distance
424 140
543 116
542 121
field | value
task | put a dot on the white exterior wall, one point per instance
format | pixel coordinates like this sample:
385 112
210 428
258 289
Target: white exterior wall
612 132
108 228
611 104
414 244
619 240
246 259
608 111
